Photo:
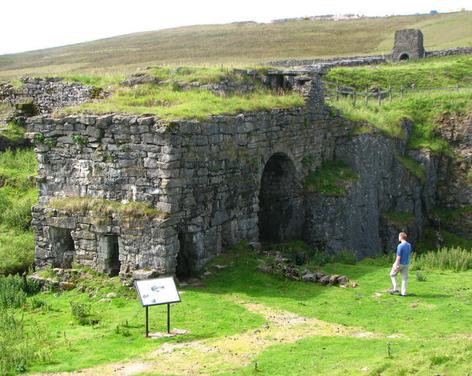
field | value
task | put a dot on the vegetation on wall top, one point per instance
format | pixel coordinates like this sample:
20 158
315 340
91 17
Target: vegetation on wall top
105 207
167 98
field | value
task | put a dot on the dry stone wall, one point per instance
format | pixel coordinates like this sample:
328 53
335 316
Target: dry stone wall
223 180
47 94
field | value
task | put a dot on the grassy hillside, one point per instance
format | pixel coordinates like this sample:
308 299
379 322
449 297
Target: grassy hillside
240 44
423 105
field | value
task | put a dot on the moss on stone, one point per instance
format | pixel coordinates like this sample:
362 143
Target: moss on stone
398 218
332 179
102 207
413 166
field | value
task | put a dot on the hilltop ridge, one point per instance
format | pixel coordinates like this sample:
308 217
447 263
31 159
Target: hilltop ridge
240 43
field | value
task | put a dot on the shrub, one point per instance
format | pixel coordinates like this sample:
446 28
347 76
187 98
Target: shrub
14 289
345 257
439 359
36 303
455 259
123 329
16 251
18 215
19 348
17 166
82 313
12 294
420 276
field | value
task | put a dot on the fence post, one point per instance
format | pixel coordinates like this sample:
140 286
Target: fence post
379 97
354 98
366 96
390 92
337 92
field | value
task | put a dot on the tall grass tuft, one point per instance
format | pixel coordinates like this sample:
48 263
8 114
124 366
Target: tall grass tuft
20 347
14 289
456 259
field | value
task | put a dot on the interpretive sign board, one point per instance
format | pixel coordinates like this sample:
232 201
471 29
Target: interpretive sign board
157 291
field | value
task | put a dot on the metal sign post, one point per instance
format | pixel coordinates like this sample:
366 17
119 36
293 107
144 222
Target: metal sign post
157 291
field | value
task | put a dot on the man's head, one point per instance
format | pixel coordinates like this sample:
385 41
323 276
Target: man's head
402 236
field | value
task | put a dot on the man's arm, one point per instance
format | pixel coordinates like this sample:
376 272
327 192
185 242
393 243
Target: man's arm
397 260
399 253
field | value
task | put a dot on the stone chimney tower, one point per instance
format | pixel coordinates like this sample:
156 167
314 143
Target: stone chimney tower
408 45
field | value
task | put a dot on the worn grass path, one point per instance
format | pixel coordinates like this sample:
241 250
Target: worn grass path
204 357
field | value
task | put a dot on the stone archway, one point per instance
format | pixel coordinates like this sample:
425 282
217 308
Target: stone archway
281 212
404 57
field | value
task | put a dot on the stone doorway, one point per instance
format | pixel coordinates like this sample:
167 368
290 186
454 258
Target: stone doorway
63 248
186 260
281 212
109 252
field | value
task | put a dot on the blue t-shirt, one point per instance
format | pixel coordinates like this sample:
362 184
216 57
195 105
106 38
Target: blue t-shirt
404 251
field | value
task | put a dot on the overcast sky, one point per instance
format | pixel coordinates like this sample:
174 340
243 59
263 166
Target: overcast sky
35 24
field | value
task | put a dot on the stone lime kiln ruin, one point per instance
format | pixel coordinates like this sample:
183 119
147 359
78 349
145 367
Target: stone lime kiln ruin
137 196
408 45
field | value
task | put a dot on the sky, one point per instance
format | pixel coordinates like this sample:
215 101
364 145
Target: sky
35 24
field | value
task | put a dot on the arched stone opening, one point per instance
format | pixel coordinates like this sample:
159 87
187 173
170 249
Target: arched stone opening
186 260
280 202
404 57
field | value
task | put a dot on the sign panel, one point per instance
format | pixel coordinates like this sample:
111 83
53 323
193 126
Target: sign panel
157 291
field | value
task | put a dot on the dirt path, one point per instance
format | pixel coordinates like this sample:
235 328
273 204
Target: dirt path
227 353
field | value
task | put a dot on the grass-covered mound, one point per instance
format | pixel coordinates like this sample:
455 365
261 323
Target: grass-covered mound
171 96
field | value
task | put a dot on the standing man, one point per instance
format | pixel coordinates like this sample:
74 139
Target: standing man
401 264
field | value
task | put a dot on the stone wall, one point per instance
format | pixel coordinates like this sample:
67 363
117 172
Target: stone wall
321 66
360 220
450 52
48 94
223 180
144 244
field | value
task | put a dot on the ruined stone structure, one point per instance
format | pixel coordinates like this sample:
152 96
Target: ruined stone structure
214 183
408 45
47 94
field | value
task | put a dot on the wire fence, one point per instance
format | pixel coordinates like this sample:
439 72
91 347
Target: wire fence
381 95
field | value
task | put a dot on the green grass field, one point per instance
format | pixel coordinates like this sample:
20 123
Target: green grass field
235 44
17 194
243 322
